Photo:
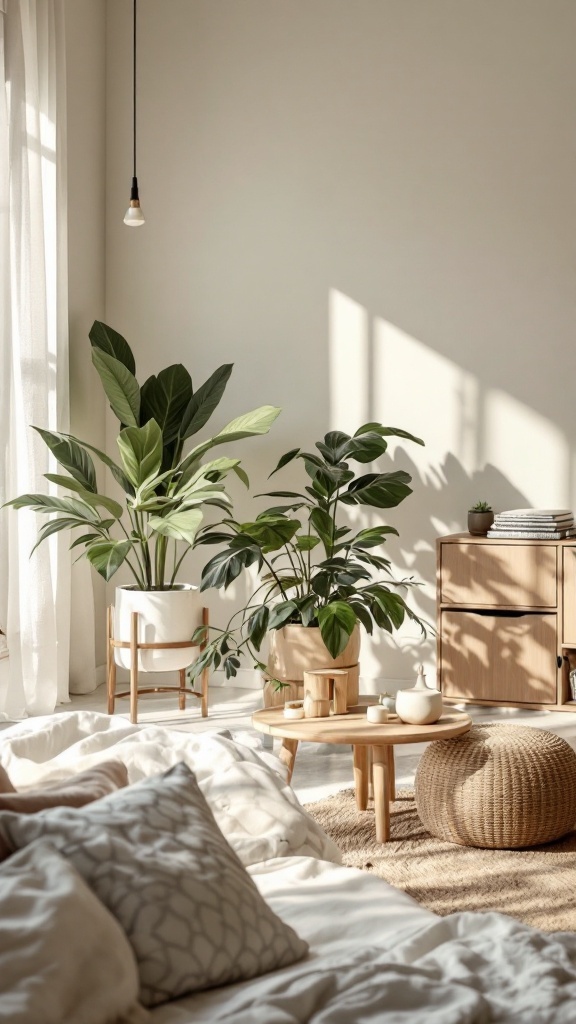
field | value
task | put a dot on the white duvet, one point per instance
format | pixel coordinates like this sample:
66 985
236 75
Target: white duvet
258 813
375 954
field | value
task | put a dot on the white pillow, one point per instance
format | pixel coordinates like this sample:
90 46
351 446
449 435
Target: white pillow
155 856
63 957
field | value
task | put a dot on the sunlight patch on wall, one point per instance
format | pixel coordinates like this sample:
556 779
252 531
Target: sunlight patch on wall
421 391
348 363
528 449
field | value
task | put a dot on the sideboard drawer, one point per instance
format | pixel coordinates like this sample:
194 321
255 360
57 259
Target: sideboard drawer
498 575
502 657
569 574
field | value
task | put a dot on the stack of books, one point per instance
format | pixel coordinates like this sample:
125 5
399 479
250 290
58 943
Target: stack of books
534 524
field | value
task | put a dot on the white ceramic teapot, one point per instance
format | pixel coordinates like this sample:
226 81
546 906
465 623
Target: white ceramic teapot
419 705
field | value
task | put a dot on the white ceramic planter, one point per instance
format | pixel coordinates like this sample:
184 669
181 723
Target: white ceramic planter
164 616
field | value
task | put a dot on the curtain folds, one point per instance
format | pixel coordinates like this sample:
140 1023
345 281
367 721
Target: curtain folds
34 590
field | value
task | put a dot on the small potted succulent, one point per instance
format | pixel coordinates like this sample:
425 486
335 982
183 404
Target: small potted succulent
480 519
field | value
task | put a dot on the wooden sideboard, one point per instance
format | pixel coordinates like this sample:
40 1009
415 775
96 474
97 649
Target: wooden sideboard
506 621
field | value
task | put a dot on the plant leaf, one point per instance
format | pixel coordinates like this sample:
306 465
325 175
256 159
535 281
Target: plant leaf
120 385
307 607
117 473
204 401
107 556
96 500
336 621
271 532
363 615
390 603
367 448
193 479
387 432
141 452
281 613
67 482
242 475
333 447
380 490
372 537
108 340
224 567
257 626
54 526
85 539
250 424
324 526
213 538
281 494
70 454
47 503
178 525
306 541
164 398
256 422
284 460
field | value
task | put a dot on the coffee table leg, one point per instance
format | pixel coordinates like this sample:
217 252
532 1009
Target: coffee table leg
391 774
361 775
287 755
381 783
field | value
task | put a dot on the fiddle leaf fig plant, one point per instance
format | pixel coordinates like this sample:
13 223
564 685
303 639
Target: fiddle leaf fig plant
155 524
312 567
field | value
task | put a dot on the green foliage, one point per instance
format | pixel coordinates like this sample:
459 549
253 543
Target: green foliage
165 491
312 568
481 506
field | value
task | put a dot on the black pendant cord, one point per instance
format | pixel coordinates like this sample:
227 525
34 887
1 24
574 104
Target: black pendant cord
134 88
134 214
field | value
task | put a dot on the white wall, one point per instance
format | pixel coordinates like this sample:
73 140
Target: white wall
86 108
369 206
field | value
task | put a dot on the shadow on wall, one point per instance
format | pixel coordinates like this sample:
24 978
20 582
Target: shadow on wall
481 444
439 506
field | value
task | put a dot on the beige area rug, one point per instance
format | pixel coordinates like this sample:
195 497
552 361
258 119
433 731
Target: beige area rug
537 886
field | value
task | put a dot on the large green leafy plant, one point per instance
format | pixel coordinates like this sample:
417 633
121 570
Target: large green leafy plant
165 490
313 569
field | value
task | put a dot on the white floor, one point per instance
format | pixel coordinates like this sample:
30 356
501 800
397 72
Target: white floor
321 769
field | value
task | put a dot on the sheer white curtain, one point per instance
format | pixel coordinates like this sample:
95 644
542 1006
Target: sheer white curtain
34 591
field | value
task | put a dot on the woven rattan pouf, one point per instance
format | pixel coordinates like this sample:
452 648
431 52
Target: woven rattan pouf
499 787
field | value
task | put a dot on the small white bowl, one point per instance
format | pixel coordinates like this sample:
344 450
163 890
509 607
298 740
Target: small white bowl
376 713
294 712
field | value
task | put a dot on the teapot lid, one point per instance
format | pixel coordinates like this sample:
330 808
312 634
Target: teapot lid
421 683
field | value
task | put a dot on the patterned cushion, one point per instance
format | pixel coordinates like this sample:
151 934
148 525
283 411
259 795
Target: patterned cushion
156 858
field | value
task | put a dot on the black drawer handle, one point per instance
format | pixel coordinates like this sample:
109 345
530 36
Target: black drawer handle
494 613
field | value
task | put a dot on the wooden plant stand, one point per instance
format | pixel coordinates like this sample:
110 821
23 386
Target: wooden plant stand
134 646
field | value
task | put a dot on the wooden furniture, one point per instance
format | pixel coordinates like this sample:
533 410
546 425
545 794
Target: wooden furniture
372 744
506 621
135 691
296 649
321 686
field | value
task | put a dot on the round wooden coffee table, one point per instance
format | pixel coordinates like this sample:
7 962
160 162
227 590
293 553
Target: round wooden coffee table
372 745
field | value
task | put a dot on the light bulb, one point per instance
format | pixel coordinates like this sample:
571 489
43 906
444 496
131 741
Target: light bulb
134 217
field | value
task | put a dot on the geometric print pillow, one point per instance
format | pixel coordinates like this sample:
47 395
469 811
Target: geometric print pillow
155 857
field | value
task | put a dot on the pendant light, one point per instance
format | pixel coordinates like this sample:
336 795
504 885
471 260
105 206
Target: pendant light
134 217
